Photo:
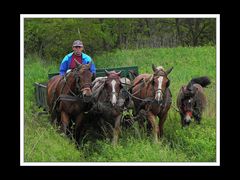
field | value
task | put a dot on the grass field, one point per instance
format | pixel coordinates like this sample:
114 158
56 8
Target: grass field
197 143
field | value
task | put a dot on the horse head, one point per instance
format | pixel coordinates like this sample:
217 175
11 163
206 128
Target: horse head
84 79
187 104
160 82
113 85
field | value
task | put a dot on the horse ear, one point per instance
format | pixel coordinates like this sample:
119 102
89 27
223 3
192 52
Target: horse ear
107 73
79 65
154 68
169 70
119 73
183 89
168 83
89 65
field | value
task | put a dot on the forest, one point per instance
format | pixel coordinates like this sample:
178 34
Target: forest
51 38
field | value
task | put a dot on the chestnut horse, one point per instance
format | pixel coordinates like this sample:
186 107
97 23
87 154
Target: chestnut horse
69 97
191 100
151 93
109 102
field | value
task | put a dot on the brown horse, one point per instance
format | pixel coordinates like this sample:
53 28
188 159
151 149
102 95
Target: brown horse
109 103
191 100
153 95
69 96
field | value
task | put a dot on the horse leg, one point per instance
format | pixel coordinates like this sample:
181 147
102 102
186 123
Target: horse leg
140 123
58 119
78 127
53 118
182 119
116 130
197 112
141 118
162 118
153 125
64 122
197 116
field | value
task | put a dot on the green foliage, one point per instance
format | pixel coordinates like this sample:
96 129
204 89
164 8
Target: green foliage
51 38
197 143
131 149
41 141
43 144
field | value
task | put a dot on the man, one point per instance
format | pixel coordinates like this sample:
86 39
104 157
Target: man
68 61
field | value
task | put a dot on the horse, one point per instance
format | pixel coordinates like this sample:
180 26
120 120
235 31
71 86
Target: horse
151 94
109 102
191 100
68 97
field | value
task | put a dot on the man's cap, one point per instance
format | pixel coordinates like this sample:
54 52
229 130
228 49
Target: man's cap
77 43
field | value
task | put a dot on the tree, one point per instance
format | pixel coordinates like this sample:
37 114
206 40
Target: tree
51 38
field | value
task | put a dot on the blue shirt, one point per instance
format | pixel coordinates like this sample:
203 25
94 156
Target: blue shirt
65 64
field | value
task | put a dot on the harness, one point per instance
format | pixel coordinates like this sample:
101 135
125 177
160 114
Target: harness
73 97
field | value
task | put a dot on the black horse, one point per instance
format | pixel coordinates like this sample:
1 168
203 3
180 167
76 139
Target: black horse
109 102
191 100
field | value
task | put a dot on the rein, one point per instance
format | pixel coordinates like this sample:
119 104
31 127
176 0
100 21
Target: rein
144 100
68 88
66 83
174 107
143 82
69 98
73 97
78 88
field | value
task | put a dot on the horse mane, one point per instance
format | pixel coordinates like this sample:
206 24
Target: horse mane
159 71
113 74
203 81
160 68
149 79
133 73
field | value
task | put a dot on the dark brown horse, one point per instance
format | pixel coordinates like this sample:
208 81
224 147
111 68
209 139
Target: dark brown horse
191 100
153 95
109 103
69 96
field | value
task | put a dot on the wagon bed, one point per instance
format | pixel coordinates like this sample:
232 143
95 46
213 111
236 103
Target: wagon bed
41 88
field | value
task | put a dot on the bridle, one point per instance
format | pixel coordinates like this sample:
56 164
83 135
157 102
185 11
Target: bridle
187 98
116 79
158 74
79 88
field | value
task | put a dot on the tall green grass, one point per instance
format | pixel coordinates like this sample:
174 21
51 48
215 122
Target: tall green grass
197 143
41 141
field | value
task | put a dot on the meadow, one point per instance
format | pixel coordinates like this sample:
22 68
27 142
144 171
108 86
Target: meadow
196 143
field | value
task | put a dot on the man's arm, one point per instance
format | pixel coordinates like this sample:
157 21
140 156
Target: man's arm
93 68
87 59
64 66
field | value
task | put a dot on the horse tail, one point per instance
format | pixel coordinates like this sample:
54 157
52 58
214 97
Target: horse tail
203 81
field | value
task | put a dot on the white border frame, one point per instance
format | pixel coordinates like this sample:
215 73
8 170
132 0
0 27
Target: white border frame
22 16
